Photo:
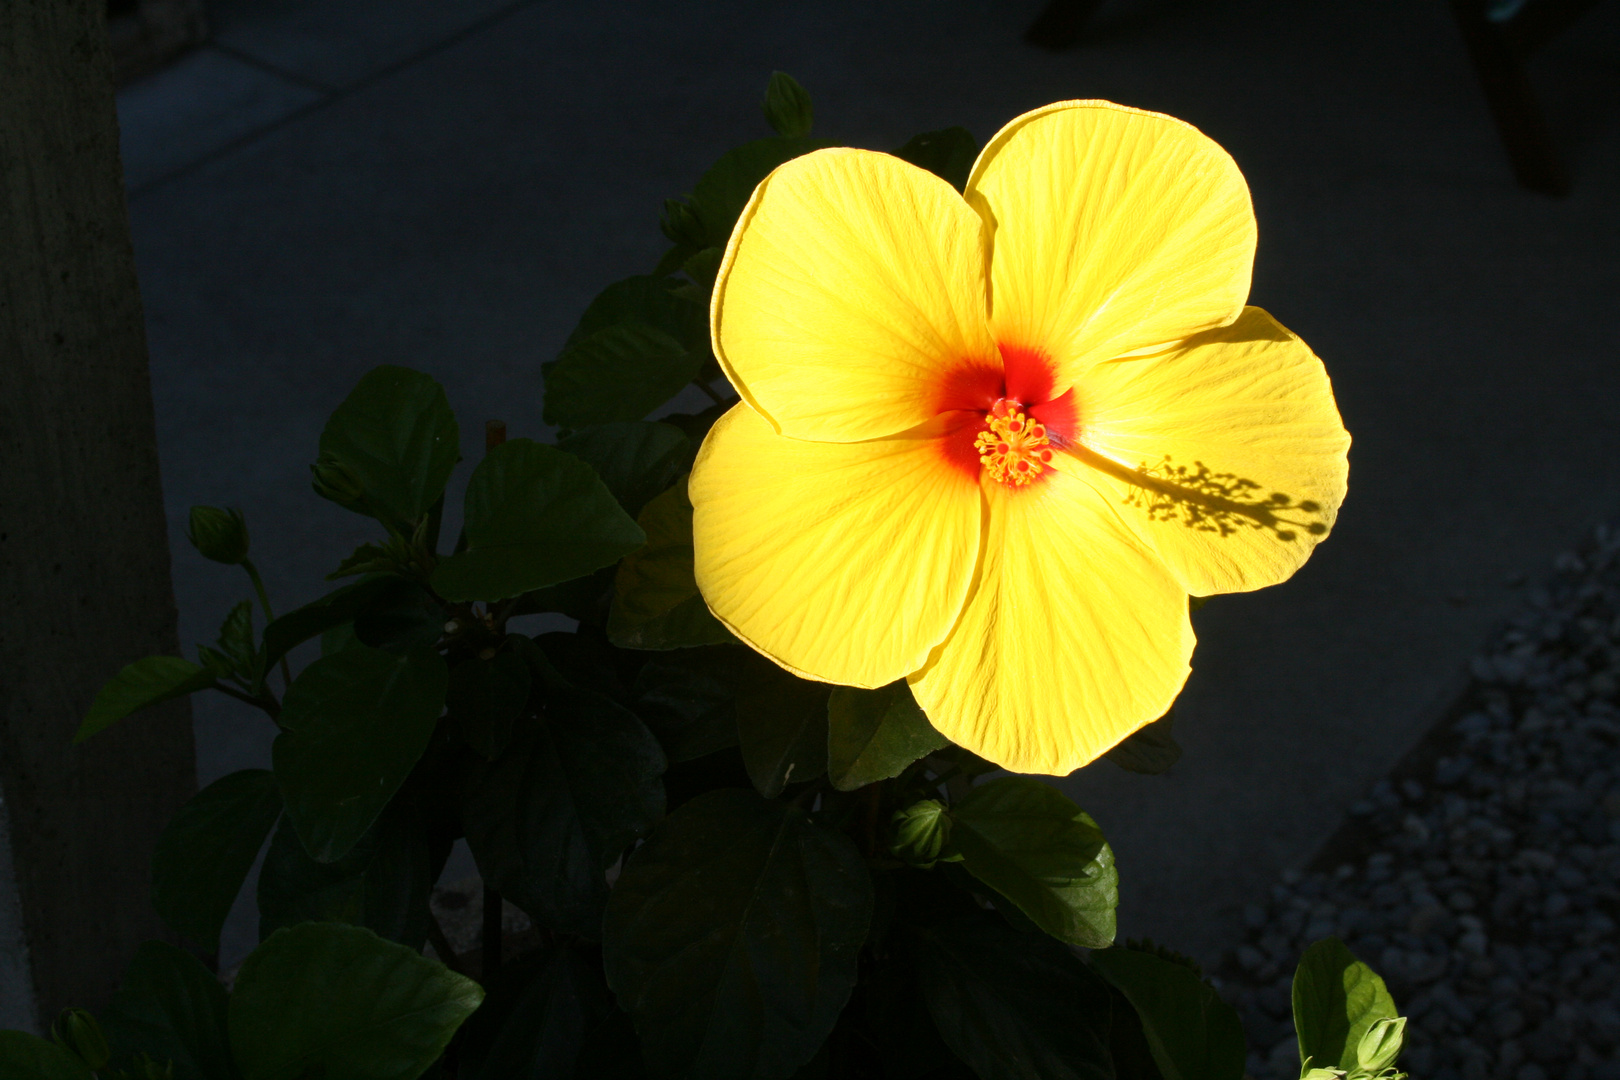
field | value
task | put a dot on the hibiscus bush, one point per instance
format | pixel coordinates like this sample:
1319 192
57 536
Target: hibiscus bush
945 439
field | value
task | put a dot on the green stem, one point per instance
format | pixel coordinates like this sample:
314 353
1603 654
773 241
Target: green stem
703 386
269 615
264 701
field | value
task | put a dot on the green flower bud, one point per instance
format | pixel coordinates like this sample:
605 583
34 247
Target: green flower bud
219 533
682 224
77 1032
336 481
921 833
1381 1045
787 106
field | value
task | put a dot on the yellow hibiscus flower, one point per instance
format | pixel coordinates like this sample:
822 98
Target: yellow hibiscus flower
990 443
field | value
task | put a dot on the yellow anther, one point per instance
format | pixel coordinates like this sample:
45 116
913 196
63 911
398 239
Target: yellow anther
1015 448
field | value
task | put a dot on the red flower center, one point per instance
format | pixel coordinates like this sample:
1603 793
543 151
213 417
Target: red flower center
1003 419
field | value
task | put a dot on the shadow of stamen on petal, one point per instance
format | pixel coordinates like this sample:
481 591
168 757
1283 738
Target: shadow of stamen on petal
1220 503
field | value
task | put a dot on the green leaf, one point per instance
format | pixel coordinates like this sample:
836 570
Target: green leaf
1028 841
206 850
1150 750
781 728
725 189
29 1057
635 459
1337 1000
486 697
332 610
948 154
1191 1032
732 936
656 604
536 1021
338 1001
535 516
236 640
787 106
621 372
397 437
649 300
173 1008
1012 1006
353 726
874 734
559 807
382 883
689 699
401 618
365 559
145 682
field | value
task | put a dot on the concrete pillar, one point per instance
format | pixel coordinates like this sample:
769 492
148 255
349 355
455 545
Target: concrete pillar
84 561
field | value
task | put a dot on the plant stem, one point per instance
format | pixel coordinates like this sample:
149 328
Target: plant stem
269 615
492 933
703 386
269 704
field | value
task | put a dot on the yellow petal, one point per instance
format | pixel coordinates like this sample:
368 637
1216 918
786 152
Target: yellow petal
1232 450
844 562
1075 635
852 287
1114 230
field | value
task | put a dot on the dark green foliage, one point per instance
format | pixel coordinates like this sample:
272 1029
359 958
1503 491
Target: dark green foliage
732 936
1337 1000
207 849
29 1057
171 1007
1013 1006
781 727
486 697
339 1001
354 725
382 883
337 607
1191 1033
571 791
688 698
549 1016
145 682
395 441
1029 842
656 604
535 516
636 460
873 735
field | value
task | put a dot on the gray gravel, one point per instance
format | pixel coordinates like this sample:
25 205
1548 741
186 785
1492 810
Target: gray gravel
1482 880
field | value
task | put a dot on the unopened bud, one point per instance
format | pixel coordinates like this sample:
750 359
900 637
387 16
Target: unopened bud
219 533
77 1032
787 106
682 224
921 832
336 481
1381 1045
